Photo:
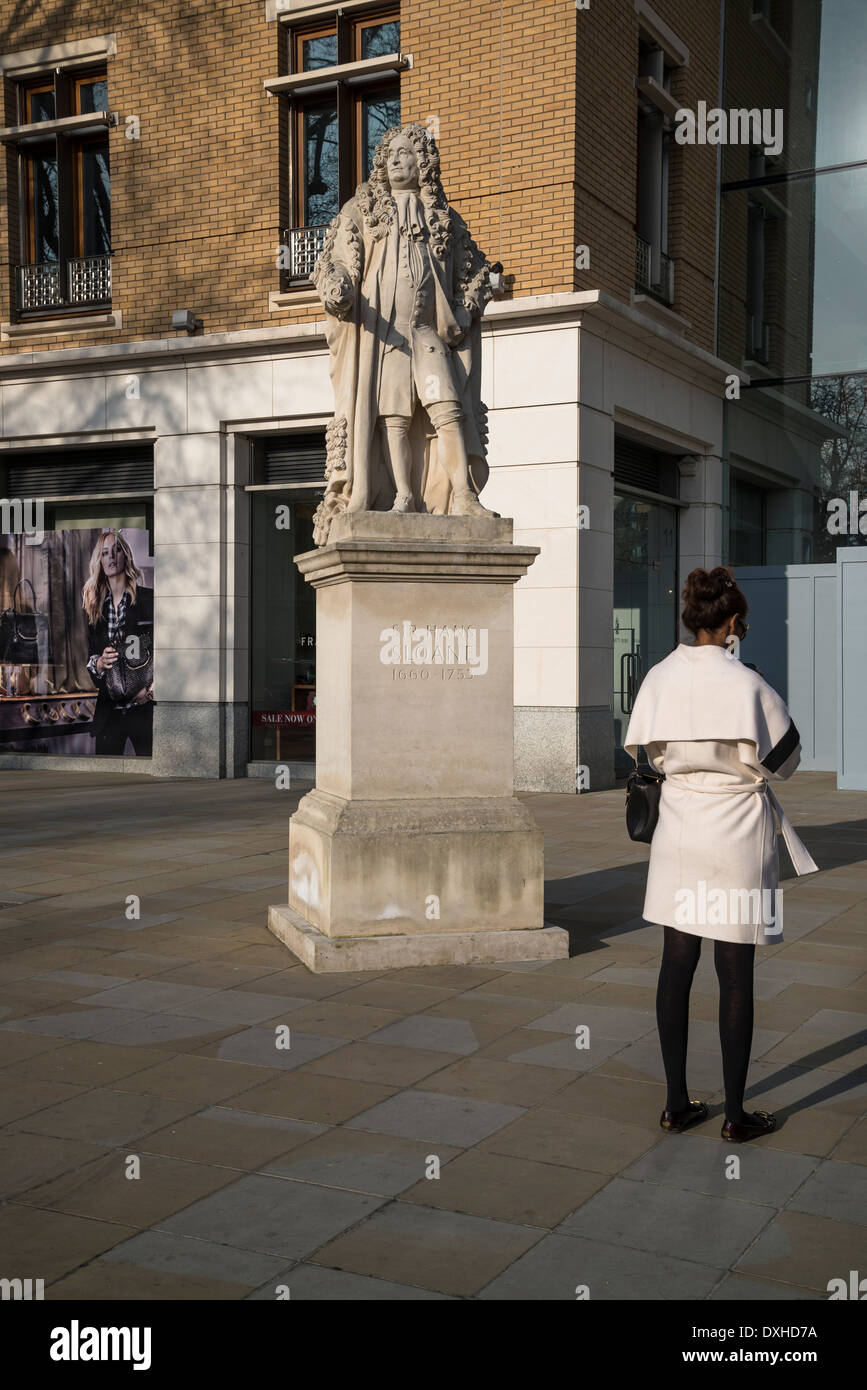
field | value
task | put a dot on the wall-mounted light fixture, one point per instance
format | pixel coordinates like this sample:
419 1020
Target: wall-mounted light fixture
185 319
498 280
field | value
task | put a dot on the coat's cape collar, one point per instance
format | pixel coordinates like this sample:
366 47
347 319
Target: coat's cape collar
706 693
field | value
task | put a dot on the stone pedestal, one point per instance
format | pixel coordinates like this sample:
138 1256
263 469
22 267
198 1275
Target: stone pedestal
413 849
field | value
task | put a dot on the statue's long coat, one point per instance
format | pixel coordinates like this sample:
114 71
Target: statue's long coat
356 466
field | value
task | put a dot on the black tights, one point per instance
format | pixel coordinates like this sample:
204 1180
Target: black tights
734 968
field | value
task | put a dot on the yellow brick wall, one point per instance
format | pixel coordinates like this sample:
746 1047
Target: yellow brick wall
606 165
195 202
537 116
500 77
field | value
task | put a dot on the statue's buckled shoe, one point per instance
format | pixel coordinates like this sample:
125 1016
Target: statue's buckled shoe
676 1121
739 1132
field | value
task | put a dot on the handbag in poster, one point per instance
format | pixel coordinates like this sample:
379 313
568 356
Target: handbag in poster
24 635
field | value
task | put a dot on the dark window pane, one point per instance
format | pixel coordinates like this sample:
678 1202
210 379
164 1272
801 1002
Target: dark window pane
96 200
45 220
378 39
320 202
747 536
320 52
93 96
40 107
378 114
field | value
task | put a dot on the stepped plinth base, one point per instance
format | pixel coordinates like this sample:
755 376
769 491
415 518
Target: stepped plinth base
326 954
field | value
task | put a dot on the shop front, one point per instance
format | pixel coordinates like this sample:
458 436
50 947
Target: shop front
282 603
76 604
645 610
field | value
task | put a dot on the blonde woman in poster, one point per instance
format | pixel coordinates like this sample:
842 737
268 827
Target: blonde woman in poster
118 606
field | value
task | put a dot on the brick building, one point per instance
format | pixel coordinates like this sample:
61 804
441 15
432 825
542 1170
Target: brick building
183 161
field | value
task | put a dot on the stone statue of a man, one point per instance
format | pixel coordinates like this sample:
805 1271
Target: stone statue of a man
404 287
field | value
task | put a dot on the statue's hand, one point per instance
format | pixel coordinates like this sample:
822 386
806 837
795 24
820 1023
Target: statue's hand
338 292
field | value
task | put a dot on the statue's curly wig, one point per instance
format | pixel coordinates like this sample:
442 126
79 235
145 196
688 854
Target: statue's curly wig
378 206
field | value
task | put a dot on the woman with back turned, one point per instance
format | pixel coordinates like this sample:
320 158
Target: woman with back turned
718 732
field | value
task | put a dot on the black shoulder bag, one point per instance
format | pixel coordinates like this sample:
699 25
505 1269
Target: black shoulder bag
643 790
23 635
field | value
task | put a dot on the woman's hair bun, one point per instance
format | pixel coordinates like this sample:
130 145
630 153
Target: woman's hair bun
711 598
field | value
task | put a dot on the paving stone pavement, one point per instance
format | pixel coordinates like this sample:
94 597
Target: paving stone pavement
186 1112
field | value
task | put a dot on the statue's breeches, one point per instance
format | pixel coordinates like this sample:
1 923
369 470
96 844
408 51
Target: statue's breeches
419 371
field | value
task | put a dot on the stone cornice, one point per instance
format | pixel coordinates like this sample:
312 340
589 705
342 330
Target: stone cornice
602 314
417 548
167 351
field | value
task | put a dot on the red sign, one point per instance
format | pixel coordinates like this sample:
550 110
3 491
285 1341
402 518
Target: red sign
284 718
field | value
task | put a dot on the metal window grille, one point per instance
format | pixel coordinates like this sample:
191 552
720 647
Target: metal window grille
39 285
90 280
666 278
87 281
642 263
663 288
305 244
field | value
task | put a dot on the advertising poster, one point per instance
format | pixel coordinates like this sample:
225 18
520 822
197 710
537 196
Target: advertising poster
76 643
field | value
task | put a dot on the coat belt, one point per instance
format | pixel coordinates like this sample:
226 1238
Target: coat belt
802 860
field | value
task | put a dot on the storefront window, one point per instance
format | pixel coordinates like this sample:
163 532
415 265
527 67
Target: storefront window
76 671
747 540
283 629
645 601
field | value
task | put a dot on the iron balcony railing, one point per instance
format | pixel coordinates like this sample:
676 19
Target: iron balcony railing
301 248
663 288
87 280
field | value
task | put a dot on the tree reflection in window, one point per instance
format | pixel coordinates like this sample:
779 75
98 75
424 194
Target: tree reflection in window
96 200
45 208
379 39
318 52
321 196
378 114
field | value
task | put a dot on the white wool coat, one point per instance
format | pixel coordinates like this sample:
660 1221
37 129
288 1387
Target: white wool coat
720 734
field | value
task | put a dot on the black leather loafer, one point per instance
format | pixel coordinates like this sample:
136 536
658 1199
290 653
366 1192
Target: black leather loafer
739 1133
676 1121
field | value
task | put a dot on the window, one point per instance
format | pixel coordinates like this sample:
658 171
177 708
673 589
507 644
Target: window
337 127
66 199
653 266
747 522
757 345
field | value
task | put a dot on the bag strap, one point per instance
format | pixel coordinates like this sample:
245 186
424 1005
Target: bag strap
15 593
